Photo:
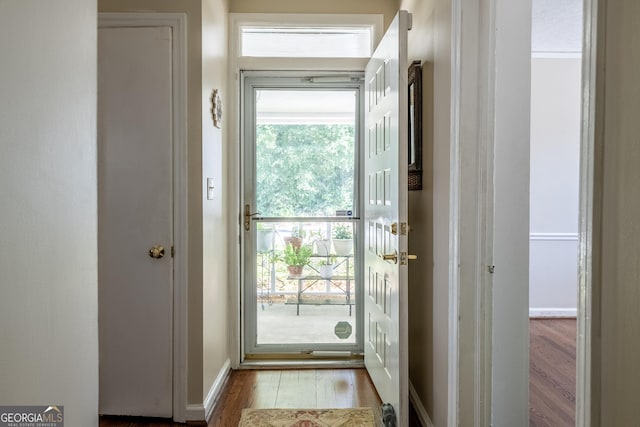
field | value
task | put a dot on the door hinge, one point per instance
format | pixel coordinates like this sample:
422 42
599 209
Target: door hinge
173 251
491 268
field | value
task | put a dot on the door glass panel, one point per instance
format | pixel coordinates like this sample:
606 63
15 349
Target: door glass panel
305 145
302 265
306 287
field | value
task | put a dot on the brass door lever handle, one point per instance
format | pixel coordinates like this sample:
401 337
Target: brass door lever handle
404 257
247 217
391 257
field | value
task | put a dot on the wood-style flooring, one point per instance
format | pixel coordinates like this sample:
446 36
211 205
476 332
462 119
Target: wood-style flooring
551 385
552 372
304 388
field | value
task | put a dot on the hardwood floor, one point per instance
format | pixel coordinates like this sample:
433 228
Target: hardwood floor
551 385
305 388
552 372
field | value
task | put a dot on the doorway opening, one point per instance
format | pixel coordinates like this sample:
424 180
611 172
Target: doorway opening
302 282
556 62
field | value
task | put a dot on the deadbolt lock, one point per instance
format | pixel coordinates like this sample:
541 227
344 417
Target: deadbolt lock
404 229
156 251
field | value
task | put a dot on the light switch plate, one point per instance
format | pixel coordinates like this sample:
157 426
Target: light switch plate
209 188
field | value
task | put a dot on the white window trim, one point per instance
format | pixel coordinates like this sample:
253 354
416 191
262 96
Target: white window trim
239 20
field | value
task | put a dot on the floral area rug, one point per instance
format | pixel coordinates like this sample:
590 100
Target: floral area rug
348 417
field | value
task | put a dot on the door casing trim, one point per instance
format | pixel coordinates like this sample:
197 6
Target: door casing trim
178 24
237 65
587 390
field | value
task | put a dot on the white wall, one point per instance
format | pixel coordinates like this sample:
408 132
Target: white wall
555 154
430 42
216 214
555 143
48 220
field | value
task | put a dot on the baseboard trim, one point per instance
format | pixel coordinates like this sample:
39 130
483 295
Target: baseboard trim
216 389
553 312
195 413
423 416
203 411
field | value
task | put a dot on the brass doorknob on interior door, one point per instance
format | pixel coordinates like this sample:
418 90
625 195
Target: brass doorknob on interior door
156 251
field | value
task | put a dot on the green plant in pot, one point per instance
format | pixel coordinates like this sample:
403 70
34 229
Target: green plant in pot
296 258
343 239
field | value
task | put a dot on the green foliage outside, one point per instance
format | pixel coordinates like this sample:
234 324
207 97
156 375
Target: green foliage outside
304 170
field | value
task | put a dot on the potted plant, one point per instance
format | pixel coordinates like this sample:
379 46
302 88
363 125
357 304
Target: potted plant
326 267
323 245
296 258
264 238
342 239
296 237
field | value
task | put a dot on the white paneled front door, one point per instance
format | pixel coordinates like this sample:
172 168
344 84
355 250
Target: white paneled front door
385 217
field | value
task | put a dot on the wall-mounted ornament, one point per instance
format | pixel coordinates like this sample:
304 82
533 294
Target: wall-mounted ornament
415 126
216 108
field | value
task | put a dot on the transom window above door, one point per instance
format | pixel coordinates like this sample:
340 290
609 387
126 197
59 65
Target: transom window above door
329 36
318 42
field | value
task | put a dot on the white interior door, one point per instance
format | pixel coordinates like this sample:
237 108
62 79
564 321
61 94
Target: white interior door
135 214
385 217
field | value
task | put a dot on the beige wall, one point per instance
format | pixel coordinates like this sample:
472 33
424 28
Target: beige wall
430 42
387 7
207 43
617 213
48 219
216 213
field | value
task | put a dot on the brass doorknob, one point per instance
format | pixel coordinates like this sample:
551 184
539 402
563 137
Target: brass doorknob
391 257
156 251
404 257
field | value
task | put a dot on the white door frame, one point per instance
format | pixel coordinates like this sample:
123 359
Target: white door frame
473 120
588 344
178 24
237 64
